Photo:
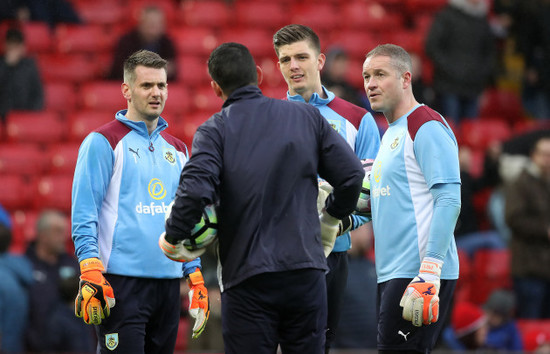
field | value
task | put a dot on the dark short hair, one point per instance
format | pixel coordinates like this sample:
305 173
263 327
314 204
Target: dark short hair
14 35
145 58
295 33
232 66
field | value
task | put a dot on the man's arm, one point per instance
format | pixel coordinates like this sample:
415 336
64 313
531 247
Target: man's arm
199 182
92 175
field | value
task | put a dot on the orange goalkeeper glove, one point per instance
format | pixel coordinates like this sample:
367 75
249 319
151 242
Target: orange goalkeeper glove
420 300
199 304
95 295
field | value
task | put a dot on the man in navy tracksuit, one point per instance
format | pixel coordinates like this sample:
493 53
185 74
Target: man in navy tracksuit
260 158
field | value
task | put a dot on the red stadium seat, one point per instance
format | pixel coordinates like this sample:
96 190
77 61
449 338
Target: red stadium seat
370 16
428 7
102 96
193 70
35 127
208 13
492 272
179 100
205 99
271 74
103 12
186 127
269 16
15 192
464 283
68 68
82 39
38 37
480 133
349 39
22 159
62 158
412 41
84 122
194 40
60 96
504 104
258 41
321 17
53 191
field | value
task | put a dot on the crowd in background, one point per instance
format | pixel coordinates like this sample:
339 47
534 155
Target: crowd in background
470 51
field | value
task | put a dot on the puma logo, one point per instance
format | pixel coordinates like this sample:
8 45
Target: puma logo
136 153
403 334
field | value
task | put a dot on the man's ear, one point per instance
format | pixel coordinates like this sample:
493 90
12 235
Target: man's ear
260 73
217 89
321 60
125 91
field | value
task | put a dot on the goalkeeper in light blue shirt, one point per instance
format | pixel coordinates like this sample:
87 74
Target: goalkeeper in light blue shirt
415 199
298 49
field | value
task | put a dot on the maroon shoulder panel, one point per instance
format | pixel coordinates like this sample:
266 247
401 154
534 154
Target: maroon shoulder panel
348 110
420 116
113 131
172 140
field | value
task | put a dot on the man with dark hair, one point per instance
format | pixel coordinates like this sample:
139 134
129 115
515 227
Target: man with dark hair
126 175
260 157
149 34
298 49
21 83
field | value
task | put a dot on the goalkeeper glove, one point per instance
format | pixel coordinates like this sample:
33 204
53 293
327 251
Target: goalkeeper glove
95 295
199 304
176 251
329 230
420 300
325 189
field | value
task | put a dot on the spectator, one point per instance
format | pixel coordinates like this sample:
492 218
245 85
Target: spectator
334 78
64 332
52 265
21 83
149 34
468 330
422 90
503 331
468 232
16 278
463 51
52 12
532 33
527 213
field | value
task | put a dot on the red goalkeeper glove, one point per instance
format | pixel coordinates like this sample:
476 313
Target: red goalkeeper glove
199 304
95 295
420 300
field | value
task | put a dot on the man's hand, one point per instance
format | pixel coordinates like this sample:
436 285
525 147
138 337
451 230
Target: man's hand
329 230
420 300
176 251
325 189
95 295
199 304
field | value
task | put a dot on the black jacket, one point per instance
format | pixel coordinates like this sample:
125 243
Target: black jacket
260 157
